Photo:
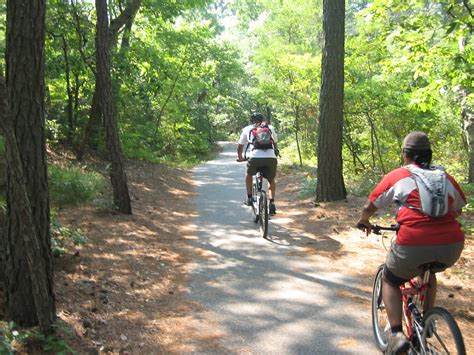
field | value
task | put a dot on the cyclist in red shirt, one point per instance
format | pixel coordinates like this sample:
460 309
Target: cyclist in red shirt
420 240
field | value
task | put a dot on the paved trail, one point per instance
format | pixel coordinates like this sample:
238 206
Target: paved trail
264 300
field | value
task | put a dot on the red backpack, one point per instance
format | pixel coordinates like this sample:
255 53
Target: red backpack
262 136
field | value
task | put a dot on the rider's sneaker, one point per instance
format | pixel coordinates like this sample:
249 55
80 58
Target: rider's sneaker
272 208
397 344
248 201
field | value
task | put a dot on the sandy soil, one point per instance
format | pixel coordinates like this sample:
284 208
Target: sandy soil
123 291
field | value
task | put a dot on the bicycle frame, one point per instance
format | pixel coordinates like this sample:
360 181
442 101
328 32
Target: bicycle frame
414 298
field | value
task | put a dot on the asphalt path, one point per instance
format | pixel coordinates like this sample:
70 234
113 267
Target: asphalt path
261 298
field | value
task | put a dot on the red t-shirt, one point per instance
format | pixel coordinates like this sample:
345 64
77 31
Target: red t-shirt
417 228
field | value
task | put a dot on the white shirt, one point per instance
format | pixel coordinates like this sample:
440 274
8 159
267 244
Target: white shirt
256 153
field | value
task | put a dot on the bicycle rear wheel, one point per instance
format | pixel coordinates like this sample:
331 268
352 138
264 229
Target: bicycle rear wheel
254 203
441 334
263 214
380 324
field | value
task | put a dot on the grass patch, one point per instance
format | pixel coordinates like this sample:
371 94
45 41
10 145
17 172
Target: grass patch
73 185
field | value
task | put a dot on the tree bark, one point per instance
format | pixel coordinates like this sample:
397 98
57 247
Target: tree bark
126 18
104 81
70 98
468 120
330 183
29 272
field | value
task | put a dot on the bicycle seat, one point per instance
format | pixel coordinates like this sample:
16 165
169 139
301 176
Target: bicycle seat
261 171
433 266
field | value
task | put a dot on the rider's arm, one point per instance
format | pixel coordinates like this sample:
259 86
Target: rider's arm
240 150
367 212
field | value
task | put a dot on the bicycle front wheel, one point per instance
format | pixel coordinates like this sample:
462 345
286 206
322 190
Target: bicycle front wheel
380 324
263 214
441 334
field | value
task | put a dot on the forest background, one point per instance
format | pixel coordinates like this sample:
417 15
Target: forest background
187 74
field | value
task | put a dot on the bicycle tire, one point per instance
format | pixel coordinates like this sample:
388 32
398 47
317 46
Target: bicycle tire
263 214
380 324
254 203
441 334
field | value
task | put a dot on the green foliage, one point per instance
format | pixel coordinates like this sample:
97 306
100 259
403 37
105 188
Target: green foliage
62 236
50 343
73 185
7 335
362 184
189 77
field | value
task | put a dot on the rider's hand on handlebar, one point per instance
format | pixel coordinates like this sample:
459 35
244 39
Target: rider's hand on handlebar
364 225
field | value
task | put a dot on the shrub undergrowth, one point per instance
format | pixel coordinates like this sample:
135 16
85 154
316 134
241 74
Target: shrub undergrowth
73 185
64 236
11 337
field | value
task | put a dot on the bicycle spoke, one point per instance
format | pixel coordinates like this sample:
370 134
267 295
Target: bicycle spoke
441 342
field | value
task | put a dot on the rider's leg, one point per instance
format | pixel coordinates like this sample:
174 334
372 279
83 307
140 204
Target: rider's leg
248 184
271 190
392 298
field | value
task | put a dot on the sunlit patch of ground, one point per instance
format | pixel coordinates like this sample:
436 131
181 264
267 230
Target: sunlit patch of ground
123 292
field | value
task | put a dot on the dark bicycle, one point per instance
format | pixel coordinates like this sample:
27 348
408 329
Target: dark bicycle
260 207
260 203
433 332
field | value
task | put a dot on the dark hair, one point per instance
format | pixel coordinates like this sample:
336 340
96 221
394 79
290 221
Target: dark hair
256 117
421 157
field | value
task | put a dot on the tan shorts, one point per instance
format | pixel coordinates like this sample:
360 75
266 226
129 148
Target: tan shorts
405 262
268 167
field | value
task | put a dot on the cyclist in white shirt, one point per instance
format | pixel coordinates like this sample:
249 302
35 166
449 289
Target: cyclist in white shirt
261 157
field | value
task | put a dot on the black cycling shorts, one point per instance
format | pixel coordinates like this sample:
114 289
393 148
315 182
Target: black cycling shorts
267 166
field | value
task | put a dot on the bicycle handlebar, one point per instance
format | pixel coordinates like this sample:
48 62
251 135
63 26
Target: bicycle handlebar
377 228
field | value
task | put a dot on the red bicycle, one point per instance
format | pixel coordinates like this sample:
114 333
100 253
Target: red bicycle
433 332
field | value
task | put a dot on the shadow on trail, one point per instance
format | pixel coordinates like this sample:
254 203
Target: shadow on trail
269 295
245 287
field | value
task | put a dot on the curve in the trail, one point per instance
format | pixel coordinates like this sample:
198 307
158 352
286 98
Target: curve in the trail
263 300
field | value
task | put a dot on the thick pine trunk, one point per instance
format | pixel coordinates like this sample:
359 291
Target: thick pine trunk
330 184
117 171
29 272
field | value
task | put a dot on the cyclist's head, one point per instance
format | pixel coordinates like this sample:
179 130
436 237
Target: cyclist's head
417 147
256 117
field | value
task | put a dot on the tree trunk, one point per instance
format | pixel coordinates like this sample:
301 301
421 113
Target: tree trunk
92 130
29 272
297 129
104 81
70 98
330 183
468 119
